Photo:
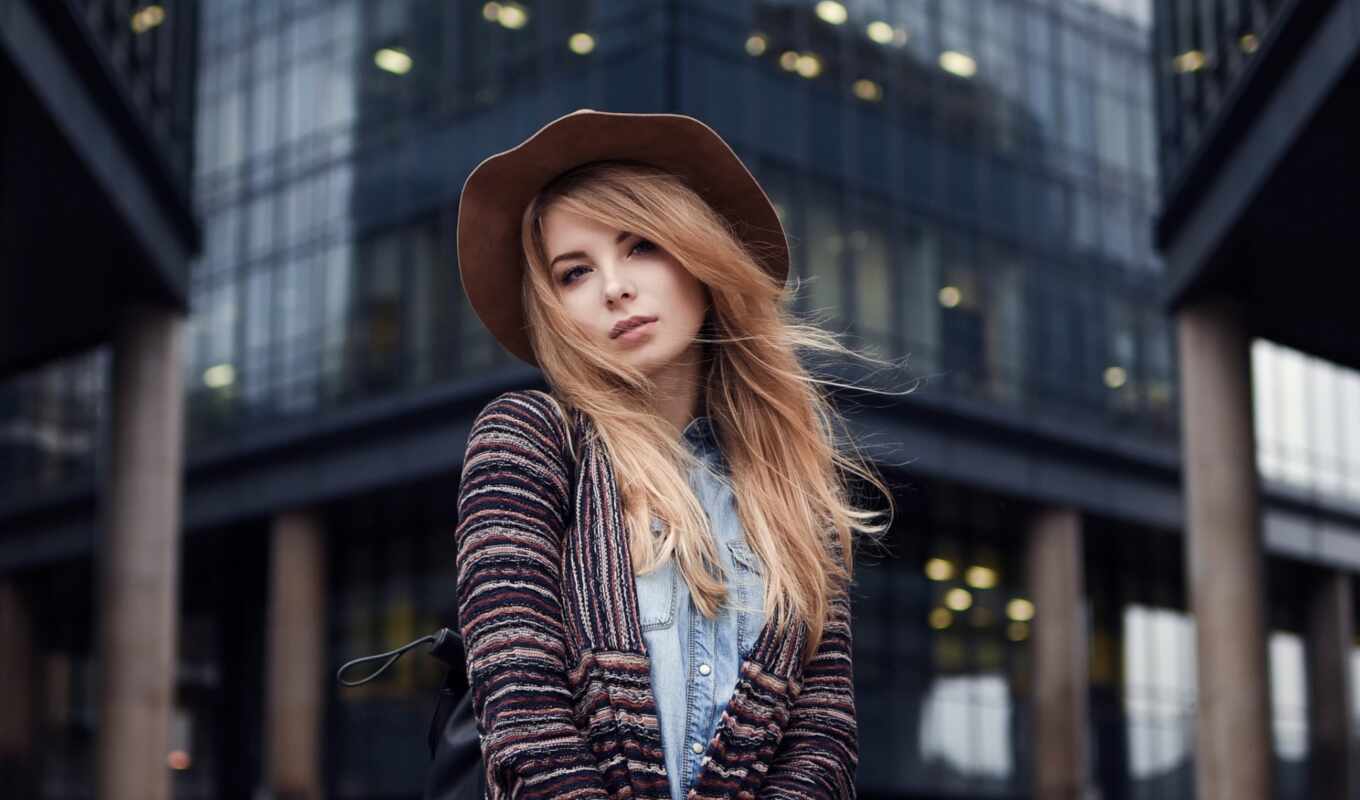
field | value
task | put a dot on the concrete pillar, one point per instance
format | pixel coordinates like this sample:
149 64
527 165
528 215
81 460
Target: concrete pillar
1224 561
1059 644
139 557
1332 773
17 767
297 675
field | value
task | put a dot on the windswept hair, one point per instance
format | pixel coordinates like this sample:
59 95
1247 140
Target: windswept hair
773 422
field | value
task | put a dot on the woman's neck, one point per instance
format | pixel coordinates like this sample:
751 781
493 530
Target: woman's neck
679 393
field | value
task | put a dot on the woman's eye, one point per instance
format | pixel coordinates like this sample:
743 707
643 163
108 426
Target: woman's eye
645 244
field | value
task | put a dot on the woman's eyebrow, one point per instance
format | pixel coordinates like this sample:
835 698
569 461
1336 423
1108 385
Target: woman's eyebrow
581 254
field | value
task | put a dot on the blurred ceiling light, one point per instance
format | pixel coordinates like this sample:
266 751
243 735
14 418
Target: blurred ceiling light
809 65
832 12
950 296
1115 377
879 31
789 60
1020 610
958 599
866 89
581 43
756 44
1189 61
146 18
216 377
940 618
981 577
393 59
1248 42
957 63
510 15
938 569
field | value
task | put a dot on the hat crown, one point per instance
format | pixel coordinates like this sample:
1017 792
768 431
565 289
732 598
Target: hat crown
495 194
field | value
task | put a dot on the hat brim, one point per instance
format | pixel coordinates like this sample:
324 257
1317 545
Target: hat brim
498 190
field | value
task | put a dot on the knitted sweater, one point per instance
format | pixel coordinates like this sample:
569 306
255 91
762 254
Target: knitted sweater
560 676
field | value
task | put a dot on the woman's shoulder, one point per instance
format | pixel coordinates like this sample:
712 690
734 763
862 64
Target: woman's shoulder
525 412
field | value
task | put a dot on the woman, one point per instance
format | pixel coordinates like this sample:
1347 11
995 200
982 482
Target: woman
654 559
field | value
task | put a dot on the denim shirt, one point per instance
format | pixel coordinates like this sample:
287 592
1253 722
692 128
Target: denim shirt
694 660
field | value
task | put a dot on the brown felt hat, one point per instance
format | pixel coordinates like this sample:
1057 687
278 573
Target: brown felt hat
495 195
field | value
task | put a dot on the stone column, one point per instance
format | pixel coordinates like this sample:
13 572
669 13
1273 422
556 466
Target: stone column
1224 559
1332 774
139 556
1059 643
296 673
16 665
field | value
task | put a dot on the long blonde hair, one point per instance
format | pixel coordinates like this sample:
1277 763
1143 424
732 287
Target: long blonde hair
772 420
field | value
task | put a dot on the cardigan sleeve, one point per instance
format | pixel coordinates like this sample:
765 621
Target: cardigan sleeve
513 506
819 752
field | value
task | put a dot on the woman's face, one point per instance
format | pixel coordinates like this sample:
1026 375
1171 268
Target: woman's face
605 276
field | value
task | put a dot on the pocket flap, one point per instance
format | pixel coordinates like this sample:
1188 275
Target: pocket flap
745 556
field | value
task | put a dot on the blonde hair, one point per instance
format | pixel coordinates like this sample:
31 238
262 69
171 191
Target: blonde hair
772 420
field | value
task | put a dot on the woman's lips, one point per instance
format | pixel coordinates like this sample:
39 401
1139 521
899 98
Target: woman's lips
636 332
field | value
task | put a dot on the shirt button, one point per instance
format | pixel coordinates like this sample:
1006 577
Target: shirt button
704 669
696 747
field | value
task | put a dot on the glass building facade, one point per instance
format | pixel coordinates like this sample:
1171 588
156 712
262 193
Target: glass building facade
966 185
1202 50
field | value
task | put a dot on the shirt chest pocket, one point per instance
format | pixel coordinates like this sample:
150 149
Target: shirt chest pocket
748 585
657 594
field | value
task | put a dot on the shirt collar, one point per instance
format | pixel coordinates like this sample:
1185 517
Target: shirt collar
700 435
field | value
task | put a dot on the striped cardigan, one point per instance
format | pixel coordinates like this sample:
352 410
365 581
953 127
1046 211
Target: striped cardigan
560 676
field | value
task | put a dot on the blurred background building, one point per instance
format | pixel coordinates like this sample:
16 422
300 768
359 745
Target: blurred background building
1255 119
981 187
97 232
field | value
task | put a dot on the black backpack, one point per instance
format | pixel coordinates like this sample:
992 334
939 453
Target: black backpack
456 771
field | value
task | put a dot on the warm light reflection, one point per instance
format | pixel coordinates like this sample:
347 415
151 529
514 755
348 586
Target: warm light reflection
958 599
832 12
218 376
950 296
393 60
957 63
940 618
581 43
1020 610
809 65
1188 61
980 577
146 18
177 760
866 89
938 569
879 31
510 15
789 60
1017 631
756 44
1248 43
